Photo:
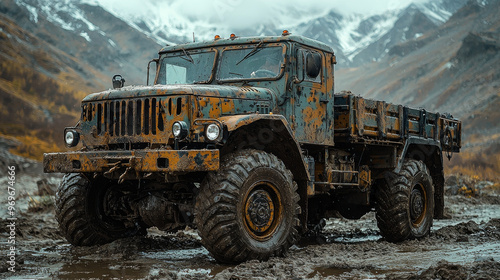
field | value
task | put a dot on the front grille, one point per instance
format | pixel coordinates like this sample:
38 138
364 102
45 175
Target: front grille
126 117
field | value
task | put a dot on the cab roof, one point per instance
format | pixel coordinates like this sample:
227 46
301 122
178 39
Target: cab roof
249 40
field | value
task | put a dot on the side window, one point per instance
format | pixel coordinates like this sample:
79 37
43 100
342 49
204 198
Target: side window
309 65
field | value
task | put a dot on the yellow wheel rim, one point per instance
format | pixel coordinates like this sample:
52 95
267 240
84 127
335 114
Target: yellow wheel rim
262 210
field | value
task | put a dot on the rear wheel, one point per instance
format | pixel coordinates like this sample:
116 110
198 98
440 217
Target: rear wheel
249 209
405 203
80 211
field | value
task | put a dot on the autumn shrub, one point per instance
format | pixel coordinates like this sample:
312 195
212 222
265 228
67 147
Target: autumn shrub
474 162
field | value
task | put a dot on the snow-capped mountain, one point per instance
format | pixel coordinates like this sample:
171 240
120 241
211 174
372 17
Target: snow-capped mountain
88 33
359 39
356 38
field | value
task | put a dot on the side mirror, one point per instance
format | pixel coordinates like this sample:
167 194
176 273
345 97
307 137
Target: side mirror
313 65
156 61
118 81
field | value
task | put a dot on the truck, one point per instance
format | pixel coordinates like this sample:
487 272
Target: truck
245 140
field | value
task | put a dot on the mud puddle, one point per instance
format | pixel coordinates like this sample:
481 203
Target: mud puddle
131 258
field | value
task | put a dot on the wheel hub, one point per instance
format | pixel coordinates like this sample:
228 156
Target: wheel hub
417 205
259 211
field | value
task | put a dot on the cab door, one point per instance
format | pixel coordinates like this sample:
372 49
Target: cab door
310 98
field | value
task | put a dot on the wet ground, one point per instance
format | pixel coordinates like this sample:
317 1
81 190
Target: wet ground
466 246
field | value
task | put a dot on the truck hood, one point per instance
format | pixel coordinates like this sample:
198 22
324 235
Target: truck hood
244 92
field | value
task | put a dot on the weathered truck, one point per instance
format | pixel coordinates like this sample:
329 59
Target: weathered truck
245 140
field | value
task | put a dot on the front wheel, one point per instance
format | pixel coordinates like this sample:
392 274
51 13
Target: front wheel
80 211
405 203
249 209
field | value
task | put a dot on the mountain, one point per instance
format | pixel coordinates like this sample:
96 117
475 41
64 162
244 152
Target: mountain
452 65
356 38
108 34
88 33
52 54
439 55
453 68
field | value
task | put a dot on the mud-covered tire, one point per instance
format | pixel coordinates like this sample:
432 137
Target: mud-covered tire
405 203
249 209
79 211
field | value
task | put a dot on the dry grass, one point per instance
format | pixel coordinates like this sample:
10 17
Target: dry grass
41 204
485 164
34 147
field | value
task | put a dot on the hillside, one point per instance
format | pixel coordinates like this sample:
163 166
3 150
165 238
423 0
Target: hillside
451 69
34 93
47 68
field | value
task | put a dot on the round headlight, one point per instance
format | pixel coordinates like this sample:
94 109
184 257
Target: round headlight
71 138
176 129
179 129
212 132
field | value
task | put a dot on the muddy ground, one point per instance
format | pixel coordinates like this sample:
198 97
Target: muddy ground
466 246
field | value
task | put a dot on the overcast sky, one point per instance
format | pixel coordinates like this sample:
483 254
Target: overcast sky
234 12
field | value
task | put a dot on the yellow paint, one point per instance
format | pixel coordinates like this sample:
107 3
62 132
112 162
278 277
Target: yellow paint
139 160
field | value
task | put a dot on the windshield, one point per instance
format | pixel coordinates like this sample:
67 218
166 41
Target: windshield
186 67
251 63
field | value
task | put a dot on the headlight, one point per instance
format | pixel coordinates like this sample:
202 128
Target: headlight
212 132
179 129
71 137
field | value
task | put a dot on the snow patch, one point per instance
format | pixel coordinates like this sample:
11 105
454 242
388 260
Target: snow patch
78 15
446 66
33 13
85 36
7 34
64 13
433 11
113 44
352 42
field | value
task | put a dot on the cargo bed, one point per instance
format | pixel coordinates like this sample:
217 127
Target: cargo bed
363 120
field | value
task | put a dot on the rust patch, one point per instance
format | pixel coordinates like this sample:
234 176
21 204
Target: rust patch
138 160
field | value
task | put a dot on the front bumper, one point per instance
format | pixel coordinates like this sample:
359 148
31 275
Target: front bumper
138 160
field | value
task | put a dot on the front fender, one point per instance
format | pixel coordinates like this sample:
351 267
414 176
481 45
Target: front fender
234 122
268 132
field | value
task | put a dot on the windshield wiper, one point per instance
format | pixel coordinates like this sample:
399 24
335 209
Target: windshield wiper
189 58
252 52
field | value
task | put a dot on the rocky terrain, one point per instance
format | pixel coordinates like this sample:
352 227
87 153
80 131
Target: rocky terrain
465 246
